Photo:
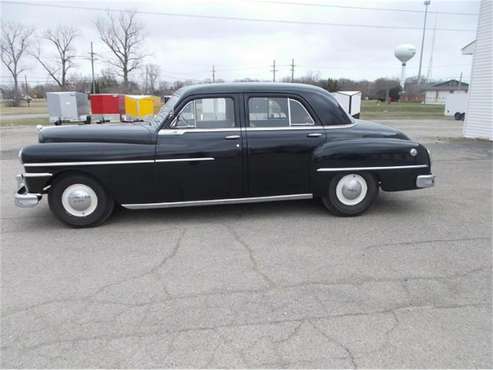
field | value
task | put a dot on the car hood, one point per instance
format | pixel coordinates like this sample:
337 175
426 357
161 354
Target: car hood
105 133
373 129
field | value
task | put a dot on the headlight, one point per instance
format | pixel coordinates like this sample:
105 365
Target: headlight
19 155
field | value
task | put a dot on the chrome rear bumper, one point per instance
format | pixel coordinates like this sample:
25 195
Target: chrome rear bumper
425 181
23 198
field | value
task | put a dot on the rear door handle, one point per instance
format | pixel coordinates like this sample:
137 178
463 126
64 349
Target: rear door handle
314 134
232 137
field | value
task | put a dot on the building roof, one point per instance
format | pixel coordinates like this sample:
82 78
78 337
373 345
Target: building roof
469 48
448 85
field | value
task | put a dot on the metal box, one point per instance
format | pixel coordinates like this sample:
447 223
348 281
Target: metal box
141 107
350 101
67 106
107 107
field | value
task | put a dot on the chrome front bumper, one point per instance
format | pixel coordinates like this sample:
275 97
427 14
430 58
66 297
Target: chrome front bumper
425 181
23 198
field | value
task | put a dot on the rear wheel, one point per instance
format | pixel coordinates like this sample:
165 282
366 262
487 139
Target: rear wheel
350 194
80 201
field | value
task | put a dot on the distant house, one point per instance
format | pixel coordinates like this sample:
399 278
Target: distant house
479 112
437 93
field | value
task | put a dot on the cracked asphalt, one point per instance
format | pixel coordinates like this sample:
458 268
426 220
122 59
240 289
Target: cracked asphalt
407 285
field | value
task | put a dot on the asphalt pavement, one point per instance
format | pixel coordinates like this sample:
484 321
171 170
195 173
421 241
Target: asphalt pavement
286 284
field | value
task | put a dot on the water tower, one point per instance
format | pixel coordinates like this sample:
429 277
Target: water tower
404 52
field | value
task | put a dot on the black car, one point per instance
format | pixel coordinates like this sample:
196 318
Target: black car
221 144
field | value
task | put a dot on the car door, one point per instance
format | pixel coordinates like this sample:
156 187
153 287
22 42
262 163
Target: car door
281 134
199 156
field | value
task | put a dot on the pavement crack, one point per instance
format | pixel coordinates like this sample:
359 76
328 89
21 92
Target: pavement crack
251 256
418 242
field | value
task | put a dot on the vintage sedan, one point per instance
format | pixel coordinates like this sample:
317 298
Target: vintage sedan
221 144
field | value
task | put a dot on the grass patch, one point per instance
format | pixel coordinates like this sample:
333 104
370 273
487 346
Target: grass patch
5 122
37 106
374 109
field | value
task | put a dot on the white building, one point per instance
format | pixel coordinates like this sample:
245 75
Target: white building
438 93
479 117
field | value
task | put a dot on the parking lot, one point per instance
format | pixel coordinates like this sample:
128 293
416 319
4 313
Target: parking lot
408 284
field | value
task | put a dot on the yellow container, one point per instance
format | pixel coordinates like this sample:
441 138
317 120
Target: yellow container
141 106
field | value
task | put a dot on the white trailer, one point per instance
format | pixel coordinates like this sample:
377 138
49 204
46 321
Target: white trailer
455 106
68 106
350 101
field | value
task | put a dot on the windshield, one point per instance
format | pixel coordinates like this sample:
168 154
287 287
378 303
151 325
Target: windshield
166 109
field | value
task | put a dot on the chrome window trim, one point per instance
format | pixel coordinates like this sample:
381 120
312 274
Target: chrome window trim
195 203
28 175
171 131
335 169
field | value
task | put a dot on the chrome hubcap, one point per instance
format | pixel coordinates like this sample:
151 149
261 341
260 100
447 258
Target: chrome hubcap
79 200
351 189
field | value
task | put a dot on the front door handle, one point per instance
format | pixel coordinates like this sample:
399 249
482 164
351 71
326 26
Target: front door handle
314 134
232 137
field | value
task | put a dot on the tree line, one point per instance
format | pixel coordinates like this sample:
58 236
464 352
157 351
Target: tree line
123 34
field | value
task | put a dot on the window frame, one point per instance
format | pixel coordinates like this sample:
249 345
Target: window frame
193 99
290 124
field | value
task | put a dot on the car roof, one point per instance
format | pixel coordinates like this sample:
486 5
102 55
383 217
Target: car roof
251 87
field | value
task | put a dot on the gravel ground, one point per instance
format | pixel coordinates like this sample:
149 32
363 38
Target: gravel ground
262 285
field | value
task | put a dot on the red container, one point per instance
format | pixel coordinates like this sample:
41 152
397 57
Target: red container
105 104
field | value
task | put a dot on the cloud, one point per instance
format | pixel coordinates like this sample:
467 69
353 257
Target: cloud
187 47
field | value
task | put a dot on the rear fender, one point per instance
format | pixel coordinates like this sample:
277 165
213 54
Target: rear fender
389 160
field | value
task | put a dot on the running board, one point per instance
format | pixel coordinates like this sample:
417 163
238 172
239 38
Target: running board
214 202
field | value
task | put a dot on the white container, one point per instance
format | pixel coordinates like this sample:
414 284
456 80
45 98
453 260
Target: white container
350 101
67 106
455 106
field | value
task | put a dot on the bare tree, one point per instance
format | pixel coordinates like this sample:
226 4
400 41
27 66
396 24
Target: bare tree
123 35
152 72
61 39
14 44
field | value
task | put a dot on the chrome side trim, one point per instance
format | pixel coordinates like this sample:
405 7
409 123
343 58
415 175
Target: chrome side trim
168 131
212 202
37 174
92 163
185 159
335 169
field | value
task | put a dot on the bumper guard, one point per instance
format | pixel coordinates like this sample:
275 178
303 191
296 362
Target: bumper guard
23 198
425 181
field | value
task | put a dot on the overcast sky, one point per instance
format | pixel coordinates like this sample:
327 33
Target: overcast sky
186 48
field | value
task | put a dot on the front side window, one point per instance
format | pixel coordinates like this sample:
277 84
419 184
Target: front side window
207 113
277 112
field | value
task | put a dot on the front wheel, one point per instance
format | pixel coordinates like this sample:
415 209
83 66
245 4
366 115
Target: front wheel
80 201
350 194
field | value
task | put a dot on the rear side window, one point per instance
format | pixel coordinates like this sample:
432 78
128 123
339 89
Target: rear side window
277 112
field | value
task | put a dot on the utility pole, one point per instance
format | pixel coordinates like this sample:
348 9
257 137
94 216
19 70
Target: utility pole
460 80
430 64
292 70
213 73
427 3
273 70
93 82
29 100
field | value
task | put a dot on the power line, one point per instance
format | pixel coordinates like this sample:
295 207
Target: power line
232 18
359 7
